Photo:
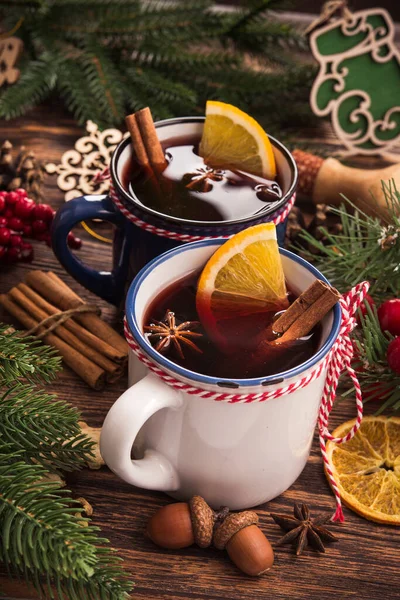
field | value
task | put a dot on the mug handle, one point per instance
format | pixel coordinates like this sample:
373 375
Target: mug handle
121 426
101 283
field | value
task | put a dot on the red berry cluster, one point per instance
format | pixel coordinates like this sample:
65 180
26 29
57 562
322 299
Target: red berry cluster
389 319
21 217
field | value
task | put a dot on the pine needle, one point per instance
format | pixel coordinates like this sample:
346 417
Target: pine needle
189 51
365 249
41 537
39 533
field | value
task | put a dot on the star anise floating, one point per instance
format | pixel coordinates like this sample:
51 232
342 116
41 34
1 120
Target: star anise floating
168 333
200 179
302 530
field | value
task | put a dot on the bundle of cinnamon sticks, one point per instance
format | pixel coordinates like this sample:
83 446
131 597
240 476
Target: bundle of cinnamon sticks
88 345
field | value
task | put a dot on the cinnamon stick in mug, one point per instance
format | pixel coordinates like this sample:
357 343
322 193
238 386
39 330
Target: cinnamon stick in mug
305 312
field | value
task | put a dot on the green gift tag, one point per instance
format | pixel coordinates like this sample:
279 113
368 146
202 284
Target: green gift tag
358 83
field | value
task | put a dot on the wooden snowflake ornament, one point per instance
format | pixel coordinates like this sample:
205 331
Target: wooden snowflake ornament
78 168
358 84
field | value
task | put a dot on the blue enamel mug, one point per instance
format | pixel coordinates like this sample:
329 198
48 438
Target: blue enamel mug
142 233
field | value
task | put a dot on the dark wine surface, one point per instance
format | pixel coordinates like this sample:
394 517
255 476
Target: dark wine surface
243 336
189 189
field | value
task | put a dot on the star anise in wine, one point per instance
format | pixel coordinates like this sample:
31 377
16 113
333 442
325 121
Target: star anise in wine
303 531
168 333
200 179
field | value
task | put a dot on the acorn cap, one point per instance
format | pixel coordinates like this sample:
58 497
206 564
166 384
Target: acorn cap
233 523
202 521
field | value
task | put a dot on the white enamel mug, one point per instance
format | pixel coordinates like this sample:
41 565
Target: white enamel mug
236 455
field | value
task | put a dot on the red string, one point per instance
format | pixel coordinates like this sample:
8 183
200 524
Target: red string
337 360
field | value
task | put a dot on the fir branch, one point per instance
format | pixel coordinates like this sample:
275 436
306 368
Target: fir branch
247 17
104 81
366 248
42 430
25 357
378 381
273 35
74 89
187 43
40 535
37 80
159 91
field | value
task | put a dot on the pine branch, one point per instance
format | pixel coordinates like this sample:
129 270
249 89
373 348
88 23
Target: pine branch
37 80
25 357
263 34
104 81
249 16
189 52
74 89
159 91
42 430
366 249
378 381
40 535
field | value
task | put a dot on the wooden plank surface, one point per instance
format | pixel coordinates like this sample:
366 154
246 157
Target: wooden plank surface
364 564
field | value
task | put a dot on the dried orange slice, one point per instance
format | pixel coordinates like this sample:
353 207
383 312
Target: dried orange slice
243 277
231 138
367 468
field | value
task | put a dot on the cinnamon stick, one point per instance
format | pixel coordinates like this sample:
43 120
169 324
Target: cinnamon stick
150 139
91 373
58 293
83 334
137 141
305 312
113 370
300 305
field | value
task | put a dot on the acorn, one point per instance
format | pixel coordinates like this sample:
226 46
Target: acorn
245 543
182 524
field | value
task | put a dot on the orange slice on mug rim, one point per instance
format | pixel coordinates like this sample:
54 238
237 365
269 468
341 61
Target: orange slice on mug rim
243 277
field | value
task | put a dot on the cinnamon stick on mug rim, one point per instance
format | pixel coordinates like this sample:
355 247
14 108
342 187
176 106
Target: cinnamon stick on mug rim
145 143
305 312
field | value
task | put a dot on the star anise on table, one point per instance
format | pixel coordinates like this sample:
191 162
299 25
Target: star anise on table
200 179
168 332
302 530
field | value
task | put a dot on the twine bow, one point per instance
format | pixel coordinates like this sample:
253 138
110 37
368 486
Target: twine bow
337 360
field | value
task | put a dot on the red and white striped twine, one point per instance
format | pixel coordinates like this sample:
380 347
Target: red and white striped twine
181 237
337 360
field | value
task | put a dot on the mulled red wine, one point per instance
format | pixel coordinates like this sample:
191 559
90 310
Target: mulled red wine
194 350
190 189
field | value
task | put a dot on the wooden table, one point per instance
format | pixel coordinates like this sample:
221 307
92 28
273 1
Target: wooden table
364 564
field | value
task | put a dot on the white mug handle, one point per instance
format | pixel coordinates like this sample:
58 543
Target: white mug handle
121 426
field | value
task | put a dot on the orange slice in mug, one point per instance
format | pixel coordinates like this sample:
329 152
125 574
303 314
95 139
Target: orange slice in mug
233 139
243 277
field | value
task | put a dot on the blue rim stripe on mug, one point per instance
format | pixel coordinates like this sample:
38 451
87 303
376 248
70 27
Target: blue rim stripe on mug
207 379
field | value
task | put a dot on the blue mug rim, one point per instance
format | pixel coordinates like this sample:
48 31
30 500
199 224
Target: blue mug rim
222 382
135 203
